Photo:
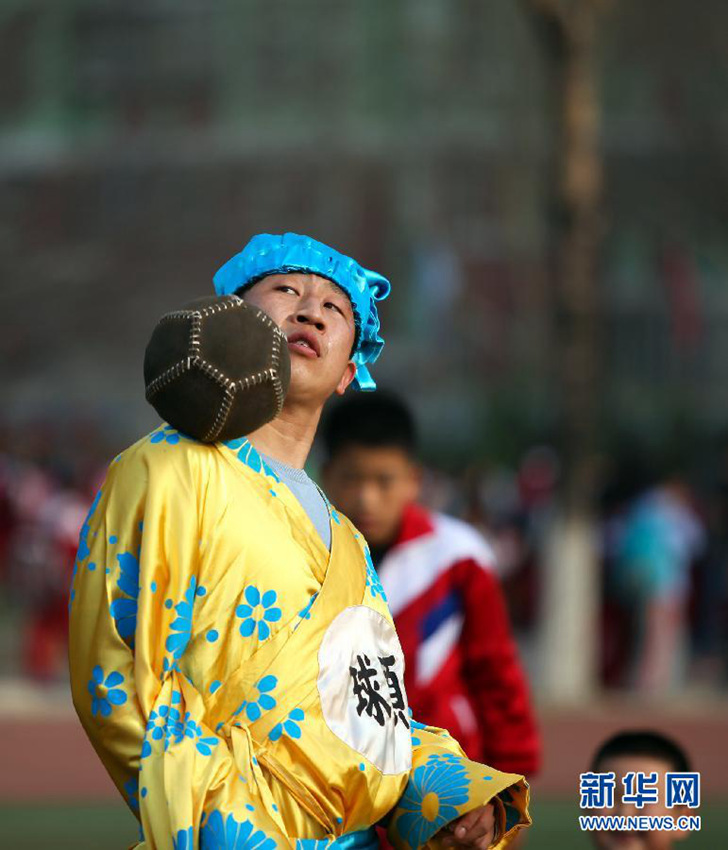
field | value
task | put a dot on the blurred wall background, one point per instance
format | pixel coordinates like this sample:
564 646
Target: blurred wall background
142 143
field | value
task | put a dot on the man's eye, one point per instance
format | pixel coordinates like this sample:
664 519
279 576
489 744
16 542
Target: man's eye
335 306
283 286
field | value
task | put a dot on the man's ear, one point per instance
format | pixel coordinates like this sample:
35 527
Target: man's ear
346 378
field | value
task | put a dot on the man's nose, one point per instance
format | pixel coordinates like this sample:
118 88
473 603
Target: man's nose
310 311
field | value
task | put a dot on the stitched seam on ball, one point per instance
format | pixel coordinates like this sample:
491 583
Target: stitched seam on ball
195 334
225 303
177 314
216 375
167 377
275 358
254 380
222 415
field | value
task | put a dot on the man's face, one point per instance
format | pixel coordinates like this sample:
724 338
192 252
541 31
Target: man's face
372 486
657 840
317 318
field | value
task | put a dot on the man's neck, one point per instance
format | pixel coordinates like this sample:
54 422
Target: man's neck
288 438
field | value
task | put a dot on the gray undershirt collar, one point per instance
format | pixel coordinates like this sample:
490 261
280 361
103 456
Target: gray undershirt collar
305 490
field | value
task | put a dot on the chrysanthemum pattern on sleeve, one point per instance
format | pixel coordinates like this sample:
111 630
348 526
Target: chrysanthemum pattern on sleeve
220 833
431 798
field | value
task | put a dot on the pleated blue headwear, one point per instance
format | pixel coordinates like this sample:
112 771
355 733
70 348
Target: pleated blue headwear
270 254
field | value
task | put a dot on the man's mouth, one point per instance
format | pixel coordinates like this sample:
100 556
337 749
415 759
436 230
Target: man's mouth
304 343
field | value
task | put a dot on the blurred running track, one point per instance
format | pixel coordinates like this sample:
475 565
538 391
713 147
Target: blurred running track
47 757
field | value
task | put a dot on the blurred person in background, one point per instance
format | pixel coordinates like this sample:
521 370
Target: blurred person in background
44 489
462 670
512 508
710 615
42 554
654 547
636 752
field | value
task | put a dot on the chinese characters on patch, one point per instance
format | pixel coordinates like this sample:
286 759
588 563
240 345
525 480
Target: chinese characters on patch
640 789
381 704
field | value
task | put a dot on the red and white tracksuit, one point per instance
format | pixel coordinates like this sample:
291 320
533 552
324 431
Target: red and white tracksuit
462 669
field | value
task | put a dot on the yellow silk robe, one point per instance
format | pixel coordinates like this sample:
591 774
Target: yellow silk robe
242 684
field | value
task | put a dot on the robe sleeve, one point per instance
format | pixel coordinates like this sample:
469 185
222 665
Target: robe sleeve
136 582
444 784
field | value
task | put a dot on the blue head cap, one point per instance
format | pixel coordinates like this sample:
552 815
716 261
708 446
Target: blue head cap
268 254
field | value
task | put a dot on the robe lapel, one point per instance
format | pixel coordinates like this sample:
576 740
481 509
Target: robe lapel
291 654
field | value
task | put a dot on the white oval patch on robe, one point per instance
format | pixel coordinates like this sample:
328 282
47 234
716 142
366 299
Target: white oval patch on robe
361 686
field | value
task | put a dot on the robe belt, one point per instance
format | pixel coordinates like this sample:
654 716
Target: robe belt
296 788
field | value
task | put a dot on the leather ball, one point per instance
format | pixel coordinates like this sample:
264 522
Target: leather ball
217 369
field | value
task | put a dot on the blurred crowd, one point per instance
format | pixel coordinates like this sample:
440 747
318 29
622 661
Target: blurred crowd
663 553
48 475
663 556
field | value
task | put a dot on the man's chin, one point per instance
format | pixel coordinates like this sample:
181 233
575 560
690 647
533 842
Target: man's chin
305 389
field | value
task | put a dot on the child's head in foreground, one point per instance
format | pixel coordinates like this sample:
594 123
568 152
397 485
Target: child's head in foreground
640 752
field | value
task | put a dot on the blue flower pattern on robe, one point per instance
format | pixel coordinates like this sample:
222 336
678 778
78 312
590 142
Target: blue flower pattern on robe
72 595
159 722
373 583
83 548
290 725
249 455
168 666
106 692
184 839
305 612
231 834
192 729
124 610
431 797
414 724
270 614
182 625
166 434
131 789
265 701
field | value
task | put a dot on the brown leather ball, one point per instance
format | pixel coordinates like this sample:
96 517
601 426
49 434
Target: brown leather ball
217 369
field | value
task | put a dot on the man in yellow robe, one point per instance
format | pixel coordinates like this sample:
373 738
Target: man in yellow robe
240 679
